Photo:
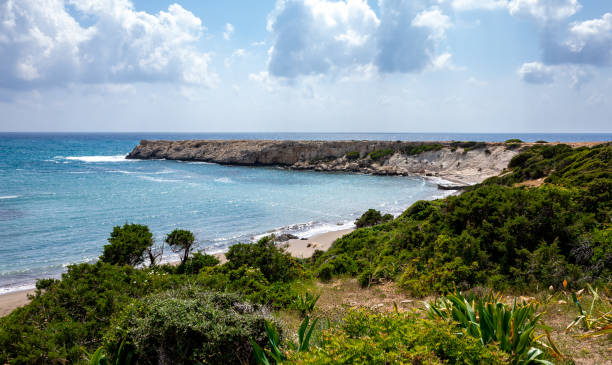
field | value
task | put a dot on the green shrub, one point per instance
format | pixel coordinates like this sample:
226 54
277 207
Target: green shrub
127 245
368 338
372 217
468 146
492 234
541 141
353 155
197 262
188 326
72 314
273 262
380 154
513 140
420 148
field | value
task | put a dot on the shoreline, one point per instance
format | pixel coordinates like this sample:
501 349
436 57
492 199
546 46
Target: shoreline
303 247
299 248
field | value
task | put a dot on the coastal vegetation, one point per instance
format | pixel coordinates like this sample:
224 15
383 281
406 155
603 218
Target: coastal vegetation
548 240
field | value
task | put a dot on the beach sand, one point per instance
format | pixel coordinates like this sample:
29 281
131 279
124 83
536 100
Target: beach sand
11 301
297 248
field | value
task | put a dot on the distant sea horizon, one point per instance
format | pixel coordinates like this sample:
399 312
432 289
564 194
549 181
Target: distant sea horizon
62 193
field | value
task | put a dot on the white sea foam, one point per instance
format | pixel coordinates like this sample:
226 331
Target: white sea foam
156 179
9 197
307 230
224 180
117 158
16 288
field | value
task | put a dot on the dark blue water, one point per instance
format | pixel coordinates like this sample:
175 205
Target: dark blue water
61 195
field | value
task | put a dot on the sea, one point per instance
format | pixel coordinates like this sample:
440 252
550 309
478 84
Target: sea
61 194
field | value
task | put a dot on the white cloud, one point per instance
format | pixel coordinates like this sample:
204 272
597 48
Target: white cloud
322 37
445 62
465 5
435 20
229 30
41 43
315 36
544 10
590 41
536 73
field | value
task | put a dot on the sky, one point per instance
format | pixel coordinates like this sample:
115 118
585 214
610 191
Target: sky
306 65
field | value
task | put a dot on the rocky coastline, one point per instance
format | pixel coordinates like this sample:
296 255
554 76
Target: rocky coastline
460 163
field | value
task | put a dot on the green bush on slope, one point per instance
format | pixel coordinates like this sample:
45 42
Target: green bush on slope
188 326
494 234
369 338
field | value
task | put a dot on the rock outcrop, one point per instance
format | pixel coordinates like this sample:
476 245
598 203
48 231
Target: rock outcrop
462 163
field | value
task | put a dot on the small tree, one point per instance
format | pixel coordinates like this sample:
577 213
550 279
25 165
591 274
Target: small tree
182 242
127 245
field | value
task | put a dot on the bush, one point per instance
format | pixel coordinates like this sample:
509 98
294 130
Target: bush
273 262
72 314
368 338
513 140
492 234
127 245
354 155
188 326
380 154
420 148
468 146
197 262
372 217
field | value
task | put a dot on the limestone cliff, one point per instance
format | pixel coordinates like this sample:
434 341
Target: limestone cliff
464 163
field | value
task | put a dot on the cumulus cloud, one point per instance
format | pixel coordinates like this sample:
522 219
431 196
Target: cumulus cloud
435 20
42 44
536 73
464 5
318 37
544 10
314 36
229 30
588 42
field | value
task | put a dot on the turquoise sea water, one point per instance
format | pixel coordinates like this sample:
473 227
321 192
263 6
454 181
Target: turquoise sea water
61 195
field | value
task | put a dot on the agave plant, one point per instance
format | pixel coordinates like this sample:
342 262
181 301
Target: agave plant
306 303
491 321
275 352
123 357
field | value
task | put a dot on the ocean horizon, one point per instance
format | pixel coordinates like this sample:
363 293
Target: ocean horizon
62 193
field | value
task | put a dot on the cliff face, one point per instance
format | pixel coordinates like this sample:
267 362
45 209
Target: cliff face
447 160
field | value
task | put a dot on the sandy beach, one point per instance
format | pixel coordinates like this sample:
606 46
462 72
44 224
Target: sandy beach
13 300
297 247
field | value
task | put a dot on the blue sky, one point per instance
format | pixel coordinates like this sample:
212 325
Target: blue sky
306 65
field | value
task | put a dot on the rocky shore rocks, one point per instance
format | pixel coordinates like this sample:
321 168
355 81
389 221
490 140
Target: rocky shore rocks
461 163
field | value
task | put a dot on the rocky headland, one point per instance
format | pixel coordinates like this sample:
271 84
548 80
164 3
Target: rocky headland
463 163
